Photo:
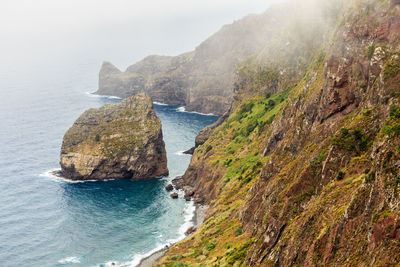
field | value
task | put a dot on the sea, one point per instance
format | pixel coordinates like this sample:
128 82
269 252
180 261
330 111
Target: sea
48 221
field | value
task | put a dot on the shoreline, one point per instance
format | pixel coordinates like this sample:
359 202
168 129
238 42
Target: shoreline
197 220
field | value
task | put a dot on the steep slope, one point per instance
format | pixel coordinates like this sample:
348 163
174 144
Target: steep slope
122 140
305 170
203 80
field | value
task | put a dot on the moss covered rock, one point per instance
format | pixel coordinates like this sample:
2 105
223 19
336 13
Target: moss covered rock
115 141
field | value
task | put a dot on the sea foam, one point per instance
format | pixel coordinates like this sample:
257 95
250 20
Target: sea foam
183 109
69 260
189 213
53 174
92 94
159 103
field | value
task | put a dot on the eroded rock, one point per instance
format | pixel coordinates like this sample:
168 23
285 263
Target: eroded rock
115 141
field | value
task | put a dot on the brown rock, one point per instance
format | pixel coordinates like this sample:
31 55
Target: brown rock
190 230
169 187
174 195
383 30
115 141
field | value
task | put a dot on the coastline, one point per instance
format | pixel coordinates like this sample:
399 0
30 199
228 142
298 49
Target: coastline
197 220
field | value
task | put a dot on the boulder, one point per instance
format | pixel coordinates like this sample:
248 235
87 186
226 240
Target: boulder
116 141
174 195
188 194
169 187
190 230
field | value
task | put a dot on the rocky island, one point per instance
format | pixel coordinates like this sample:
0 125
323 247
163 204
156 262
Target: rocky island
116 141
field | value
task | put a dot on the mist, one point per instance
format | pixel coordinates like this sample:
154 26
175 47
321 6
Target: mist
47 32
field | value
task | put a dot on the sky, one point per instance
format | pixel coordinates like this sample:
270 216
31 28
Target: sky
121 31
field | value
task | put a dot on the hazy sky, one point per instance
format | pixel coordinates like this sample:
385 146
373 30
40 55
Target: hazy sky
122 31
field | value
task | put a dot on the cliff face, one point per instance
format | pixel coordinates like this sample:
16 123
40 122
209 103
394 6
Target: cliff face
115 141
203 80
305 170
161 77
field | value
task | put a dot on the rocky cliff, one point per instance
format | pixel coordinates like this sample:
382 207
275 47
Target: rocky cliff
203 80
115 141
305 169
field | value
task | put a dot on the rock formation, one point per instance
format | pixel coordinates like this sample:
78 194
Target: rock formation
304 171
115 141
203 79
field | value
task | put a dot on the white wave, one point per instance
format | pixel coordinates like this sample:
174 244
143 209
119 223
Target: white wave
52 174
69 260
159 103
103 96
189 213
139 257
183 109
180 153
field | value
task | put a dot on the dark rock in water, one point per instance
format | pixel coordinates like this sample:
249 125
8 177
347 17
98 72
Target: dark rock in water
174 195
188 194
190 151
169 187
122 140
178 182
190 230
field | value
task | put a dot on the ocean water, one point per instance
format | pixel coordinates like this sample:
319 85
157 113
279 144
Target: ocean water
46 221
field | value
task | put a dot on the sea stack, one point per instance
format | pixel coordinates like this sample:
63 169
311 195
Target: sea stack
116 141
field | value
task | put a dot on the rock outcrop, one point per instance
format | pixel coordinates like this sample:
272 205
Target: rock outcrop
116 141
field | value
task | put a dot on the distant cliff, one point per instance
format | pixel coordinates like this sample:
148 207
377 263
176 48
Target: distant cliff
115 141
202 80
305 169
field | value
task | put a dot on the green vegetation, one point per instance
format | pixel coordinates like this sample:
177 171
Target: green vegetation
363 86
392 125
176 257
370 51
239 231
352 140
255 115
210 246
394 111
237 255
318 161
392 68
97 138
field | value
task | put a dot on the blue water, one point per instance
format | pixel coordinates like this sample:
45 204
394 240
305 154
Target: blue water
45 221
